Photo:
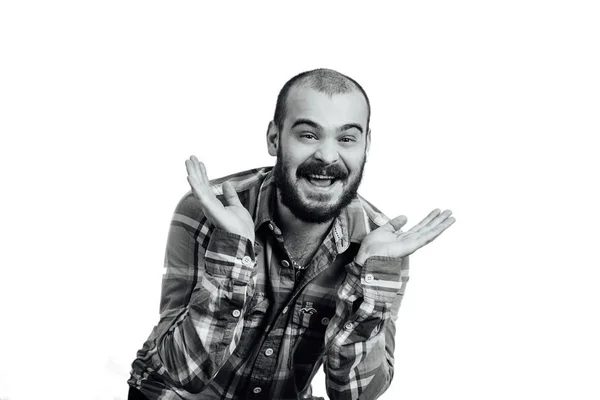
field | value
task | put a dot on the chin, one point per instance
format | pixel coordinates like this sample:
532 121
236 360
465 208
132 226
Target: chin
321 201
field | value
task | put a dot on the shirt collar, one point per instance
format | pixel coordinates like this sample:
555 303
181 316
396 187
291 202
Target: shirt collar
355 222
265 204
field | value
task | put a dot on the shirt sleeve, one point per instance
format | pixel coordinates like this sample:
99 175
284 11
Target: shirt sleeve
208 272
359 362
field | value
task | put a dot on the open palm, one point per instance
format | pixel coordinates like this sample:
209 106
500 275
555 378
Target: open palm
390 241
231 217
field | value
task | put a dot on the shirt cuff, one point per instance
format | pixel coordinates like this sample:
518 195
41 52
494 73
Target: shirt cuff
382 278
229 255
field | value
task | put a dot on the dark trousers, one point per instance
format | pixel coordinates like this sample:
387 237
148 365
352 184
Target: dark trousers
135 394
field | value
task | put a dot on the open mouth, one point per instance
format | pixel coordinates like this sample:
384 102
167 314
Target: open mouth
321 180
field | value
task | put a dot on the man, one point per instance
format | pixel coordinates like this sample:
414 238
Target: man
273 272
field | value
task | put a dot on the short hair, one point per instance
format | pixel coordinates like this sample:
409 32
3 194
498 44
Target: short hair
322 80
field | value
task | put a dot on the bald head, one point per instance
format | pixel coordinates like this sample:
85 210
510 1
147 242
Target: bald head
325 81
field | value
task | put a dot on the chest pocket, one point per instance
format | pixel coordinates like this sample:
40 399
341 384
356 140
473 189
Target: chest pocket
309 323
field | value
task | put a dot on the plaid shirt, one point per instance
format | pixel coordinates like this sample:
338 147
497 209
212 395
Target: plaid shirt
239 321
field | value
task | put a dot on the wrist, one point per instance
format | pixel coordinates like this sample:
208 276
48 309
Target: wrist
248 236
361 257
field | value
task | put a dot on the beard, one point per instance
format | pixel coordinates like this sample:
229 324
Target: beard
292 198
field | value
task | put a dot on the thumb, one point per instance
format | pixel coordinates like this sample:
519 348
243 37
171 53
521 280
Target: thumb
395 224
230 195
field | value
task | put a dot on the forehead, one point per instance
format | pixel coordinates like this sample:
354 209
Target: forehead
328 111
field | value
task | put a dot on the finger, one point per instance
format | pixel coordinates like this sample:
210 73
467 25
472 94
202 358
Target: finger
395 224
201 189
193 168
231 196
439 219
194 175
432 215
189 166
203 174
436 231
211 207
198 188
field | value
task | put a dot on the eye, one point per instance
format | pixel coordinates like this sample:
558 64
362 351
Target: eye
348 139
307 135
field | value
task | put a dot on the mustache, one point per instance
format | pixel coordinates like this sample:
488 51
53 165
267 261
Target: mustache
316 168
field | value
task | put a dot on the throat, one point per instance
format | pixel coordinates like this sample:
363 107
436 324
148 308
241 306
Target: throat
302 250
302 239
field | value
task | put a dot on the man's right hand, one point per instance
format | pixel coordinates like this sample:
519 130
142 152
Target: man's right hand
232 217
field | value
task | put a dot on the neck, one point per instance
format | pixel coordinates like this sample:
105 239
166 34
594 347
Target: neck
292 227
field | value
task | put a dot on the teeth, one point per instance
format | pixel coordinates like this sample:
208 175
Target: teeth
321 177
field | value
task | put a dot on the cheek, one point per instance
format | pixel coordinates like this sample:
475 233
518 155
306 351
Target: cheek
292 164
296 152
354 162
290 168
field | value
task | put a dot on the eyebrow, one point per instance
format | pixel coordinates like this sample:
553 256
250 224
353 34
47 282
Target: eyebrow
350 126
313 124
304 121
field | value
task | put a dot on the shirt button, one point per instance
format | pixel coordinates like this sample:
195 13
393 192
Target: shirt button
256 390
246 261
285 263
285 309
348 326
269 352
236 313
369 278
325 321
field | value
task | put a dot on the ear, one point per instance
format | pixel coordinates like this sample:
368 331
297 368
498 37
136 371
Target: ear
368 139
272 139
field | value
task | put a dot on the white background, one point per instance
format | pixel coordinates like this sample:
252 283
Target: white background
488 108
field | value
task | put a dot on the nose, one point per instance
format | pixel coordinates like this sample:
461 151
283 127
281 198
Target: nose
327 152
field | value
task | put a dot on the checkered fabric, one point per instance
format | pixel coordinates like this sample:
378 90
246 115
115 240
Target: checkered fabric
238 320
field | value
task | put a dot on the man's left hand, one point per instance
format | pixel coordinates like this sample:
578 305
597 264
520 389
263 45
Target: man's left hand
390 241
